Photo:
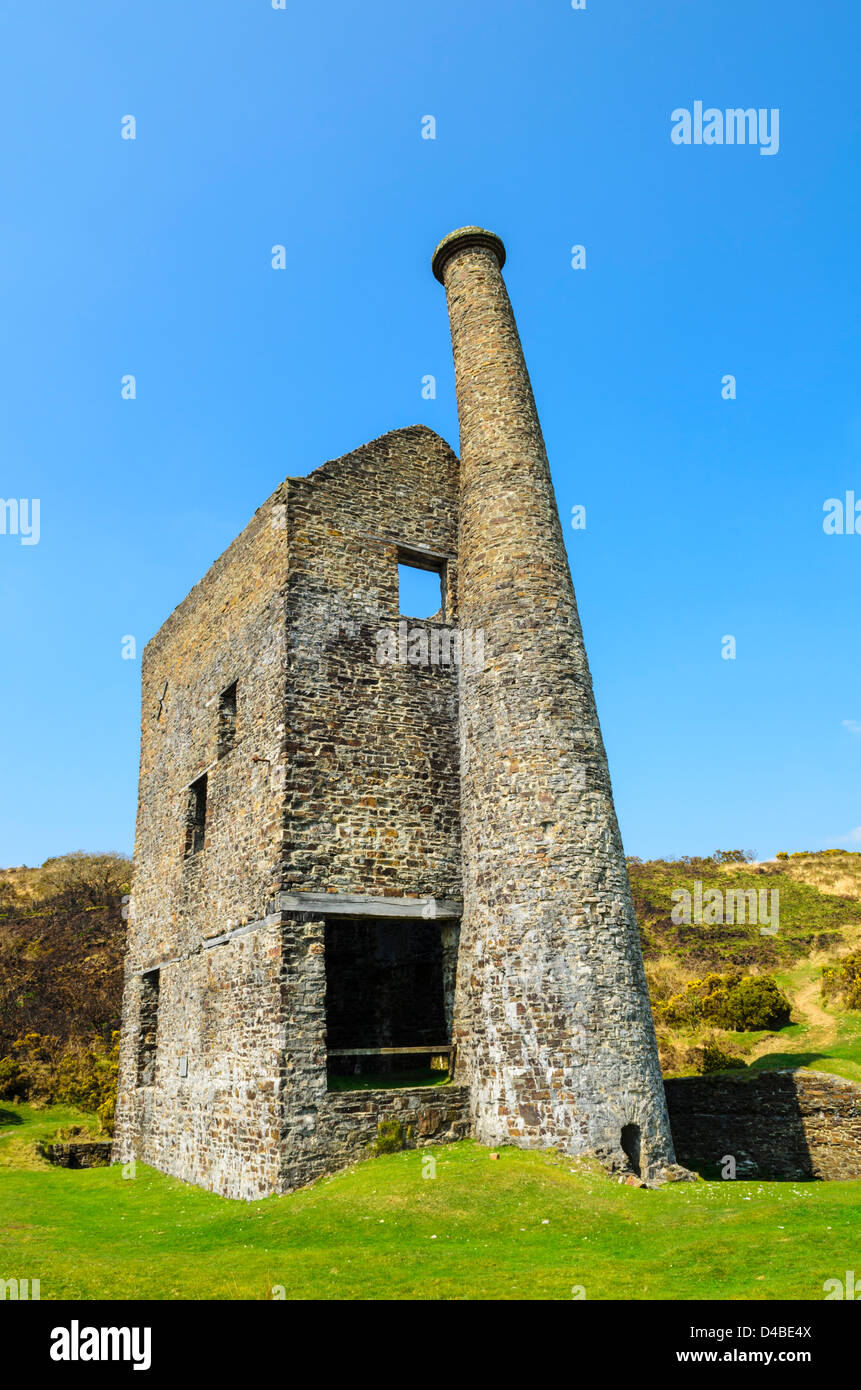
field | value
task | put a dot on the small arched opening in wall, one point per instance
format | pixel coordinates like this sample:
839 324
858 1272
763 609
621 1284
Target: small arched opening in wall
631 1146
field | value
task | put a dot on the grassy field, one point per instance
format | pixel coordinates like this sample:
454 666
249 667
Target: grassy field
528 1226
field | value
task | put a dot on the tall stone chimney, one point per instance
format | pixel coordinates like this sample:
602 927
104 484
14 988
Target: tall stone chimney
552 1018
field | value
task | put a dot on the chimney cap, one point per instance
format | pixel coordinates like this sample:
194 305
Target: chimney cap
463 237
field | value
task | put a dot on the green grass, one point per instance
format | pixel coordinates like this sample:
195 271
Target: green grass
529 1226
389 1081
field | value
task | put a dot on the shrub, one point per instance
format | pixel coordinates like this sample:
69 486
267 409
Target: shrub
843 981
88 880
712 1057
741 1003
13 1081
74 1073
748 1004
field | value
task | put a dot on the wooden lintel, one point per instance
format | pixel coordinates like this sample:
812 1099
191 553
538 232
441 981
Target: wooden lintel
387 1051
363 905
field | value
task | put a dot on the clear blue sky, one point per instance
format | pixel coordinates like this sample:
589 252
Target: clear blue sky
302 127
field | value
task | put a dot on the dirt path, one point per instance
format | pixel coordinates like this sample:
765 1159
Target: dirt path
807 1004
806 1008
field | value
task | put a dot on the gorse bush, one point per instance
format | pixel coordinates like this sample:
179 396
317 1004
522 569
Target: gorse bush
843 981
712 1057
49 1072
14 1084
742 1003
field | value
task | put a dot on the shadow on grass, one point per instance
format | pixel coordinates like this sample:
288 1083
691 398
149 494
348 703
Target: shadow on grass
786 1061
10 1117
388 1081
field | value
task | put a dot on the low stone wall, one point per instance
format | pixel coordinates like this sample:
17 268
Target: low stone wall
79 1153
787 1124
349 1122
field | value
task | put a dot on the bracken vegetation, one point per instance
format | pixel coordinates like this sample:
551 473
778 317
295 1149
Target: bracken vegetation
62 936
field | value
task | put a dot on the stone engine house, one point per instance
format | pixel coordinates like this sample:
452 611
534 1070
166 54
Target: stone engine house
370 845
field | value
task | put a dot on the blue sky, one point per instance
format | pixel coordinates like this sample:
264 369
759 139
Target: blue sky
302 127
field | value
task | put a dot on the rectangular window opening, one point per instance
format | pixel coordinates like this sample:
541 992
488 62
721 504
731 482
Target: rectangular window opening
195 833
389 997
227 720
421 589
148 1028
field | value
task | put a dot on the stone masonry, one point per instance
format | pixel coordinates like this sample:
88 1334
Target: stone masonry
351 838
553 1018
774 1124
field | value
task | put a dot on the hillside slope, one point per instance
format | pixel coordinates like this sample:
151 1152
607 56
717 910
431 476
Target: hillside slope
818 902
62 937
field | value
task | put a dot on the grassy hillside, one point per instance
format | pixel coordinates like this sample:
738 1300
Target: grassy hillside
528 1226
820 924
62 937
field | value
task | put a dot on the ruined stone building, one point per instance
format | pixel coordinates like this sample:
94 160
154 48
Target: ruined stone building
370 846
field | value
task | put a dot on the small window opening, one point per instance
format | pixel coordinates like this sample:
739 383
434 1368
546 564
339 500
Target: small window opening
148 1028
631 1146
196 824
420 587
226 720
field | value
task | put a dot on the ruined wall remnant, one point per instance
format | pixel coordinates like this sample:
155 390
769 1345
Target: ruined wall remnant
773 1124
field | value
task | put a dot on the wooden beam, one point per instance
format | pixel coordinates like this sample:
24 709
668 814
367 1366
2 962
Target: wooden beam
385 1051
364 905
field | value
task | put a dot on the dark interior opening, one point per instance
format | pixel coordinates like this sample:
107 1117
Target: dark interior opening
227 720
631 1146
148 1028
195 832
386 987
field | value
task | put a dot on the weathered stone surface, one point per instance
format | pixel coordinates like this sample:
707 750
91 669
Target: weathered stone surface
789 1124
350 1120
282 762
79 1153
553 1022
340 776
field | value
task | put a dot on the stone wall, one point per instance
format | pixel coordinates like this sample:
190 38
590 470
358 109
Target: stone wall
426 1114
78 1153
787 1124
230 628
372 760
335 774
213 1113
